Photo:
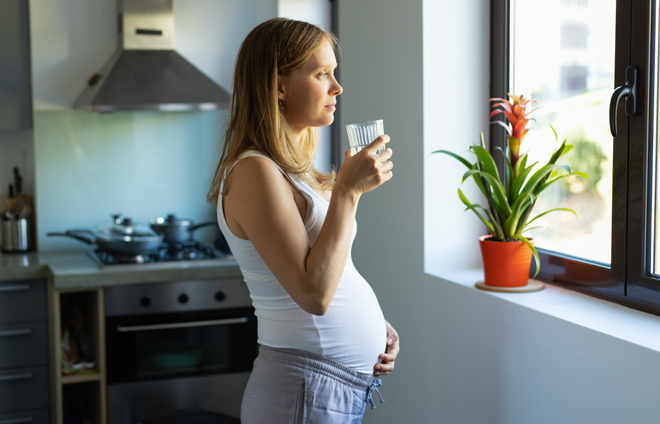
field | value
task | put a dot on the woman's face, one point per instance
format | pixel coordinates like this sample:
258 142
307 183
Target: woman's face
308 94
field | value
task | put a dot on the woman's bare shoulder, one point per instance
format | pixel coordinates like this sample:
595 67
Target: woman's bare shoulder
254 171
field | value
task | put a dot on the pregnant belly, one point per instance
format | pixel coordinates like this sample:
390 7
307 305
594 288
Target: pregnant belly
353 331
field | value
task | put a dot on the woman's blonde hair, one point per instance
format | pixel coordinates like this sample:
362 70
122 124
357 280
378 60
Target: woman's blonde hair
256 120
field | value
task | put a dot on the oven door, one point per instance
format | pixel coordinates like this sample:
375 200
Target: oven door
198 359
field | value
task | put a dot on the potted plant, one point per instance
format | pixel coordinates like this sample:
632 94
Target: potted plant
506 252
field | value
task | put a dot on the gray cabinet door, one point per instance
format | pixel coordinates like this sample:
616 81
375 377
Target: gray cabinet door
23 344
22 301
23 389
15 73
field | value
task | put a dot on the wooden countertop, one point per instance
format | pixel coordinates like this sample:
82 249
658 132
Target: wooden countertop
76 269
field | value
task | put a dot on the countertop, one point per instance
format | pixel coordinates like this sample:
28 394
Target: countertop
77 269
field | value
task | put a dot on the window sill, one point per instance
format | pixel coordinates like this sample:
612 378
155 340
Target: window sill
618 321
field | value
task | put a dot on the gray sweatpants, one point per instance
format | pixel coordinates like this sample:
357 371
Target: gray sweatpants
290 386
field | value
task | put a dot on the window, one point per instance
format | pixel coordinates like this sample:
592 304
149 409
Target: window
570 55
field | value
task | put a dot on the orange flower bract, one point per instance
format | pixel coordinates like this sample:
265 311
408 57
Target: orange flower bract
516 113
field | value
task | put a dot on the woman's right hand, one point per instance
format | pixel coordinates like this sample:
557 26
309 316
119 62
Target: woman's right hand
364 171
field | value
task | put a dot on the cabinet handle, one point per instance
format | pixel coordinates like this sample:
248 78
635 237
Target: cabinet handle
182 325
14 287
16 332
18 376
18 420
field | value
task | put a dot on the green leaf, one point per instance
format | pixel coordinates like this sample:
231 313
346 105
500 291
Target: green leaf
459 158
534 228
580 174
547 212
520 179
522 162
537 260
486 160
473 208
544 186
509 174
568 148
499 197
511 223
537 177
499 233
558 153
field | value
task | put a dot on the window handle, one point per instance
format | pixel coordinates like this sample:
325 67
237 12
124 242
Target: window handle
629 91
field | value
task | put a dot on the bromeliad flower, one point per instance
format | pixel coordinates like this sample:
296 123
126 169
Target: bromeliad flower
516 113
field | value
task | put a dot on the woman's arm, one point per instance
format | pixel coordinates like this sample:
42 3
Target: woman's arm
261 203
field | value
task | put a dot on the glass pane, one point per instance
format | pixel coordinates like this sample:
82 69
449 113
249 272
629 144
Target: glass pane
563 57
654 119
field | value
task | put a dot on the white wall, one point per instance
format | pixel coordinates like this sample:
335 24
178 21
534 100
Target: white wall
467 357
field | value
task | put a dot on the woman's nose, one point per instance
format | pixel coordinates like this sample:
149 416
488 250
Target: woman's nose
336 89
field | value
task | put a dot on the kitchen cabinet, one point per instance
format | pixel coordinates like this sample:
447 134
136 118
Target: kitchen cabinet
78 397
15 69
23 352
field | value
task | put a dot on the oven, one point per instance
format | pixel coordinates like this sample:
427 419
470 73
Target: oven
178 345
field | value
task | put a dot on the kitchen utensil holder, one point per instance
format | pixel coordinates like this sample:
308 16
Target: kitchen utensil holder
15 235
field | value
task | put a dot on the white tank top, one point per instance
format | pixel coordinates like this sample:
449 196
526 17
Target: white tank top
352 332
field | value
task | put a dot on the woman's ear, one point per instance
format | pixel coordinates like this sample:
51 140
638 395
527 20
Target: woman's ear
281 87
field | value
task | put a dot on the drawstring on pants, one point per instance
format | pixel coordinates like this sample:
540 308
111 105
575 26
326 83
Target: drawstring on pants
370 390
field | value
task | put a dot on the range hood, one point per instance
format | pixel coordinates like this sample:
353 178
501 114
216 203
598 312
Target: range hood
146 73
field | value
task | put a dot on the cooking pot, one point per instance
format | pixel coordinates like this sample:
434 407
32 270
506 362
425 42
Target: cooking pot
176 230
122 238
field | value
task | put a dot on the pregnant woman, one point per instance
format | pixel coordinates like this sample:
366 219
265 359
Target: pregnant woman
324 341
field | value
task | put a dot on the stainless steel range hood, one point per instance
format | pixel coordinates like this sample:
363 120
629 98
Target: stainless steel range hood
146 73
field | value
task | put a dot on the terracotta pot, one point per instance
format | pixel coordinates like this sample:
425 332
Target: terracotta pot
506 263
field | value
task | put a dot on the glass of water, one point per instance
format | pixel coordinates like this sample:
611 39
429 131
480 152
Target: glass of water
361 135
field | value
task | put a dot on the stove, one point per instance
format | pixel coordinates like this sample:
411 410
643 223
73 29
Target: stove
190 250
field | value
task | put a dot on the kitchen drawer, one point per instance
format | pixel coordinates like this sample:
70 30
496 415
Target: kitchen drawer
23 344
23 388
22 301
37 416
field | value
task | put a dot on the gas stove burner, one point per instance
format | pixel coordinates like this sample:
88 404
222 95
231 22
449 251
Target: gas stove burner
136 259
168 252
115 259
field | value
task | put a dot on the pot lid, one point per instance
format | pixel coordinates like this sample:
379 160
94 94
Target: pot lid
172 220
124 229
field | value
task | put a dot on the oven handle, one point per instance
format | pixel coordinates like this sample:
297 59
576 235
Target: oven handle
225 321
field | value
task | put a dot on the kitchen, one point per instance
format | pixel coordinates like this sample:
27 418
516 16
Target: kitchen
455 365
147 165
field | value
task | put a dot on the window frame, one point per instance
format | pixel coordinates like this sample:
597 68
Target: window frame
627 281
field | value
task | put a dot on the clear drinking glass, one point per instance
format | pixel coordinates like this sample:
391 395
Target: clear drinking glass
361 135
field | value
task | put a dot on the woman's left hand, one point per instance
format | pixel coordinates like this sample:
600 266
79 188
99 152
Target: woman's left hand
386 363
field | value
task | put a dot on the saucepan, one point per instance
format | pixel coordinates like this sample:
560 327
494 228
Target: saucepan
176 230
121 238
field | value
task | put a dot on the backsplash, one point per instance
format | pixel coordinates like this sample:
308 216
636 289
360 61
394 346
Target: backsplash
141 164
